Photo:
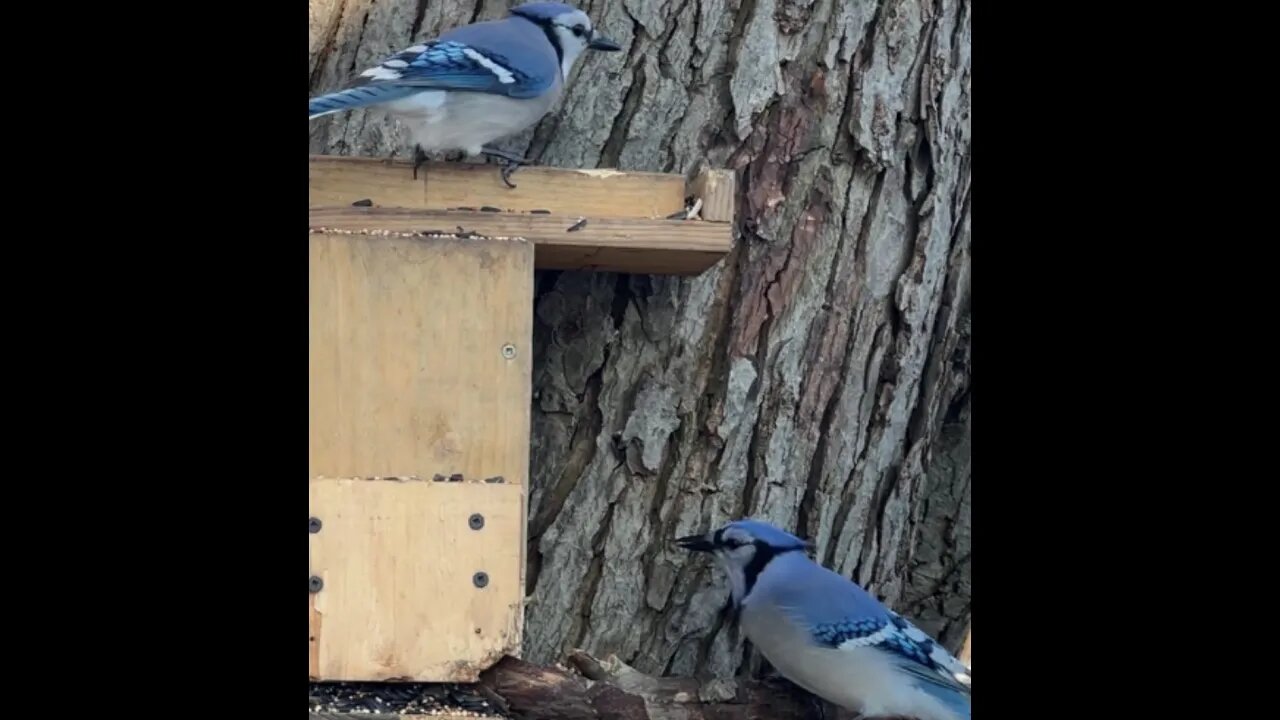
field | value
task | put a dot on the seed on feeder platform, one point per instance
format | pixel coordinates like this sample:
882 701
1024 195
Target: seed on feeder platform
489 208
456 477
363 203
540 212
582 222
693 211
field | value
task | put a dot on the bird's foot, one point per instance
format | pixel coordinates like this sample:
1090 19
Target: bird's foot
511 163
419 157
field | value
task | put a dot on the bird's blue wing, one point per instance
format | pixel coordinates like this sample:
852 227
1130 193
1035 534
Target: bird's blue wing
454 65
486 58
934 670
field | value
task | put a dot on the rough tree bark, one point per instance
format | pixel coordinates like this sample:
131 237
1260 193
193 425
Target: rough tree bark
817 377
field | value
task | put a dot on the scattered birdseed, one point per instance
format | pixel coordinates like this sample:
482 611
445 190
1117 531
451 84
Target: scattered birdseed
321 230
693 211
367 698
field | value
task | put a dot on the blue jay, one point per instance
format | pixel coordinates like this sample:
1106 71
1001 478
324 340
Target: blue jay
829 636
477 83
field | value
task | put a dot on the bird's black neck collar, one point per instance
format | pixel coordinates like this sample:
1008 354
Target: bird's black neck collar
764 554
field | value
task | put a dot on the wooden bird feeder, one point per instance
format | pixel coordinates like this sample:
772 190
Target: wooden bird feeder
421 330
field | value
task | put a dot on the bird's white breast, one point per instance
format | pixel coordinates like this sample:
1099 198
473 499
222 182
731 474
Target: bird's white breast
441 120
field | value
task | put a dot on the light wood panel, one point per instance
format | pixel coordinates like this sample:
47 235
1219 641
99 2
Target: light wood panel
398 560
420 356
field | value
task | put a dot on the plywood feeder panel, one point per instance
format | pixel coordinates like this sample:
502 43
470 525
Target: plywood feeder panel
420 356
420 369
418 580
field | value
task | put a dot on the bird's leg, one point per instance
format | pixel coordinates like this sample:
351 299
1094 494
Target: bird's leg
419 157
513 162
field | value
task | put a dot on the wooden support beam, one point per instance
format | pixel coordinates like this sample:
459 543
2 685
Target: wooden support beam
628 225
672 247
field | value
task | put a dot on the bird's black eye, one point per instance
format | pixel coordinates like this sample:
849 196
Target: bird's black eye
579 30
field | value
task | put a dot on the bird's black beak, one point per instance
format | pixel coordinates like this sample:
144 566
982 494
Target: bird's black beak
696 543
600 42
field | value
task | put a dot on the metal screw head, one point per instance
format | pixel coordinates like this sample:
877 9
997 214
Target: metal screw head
476 521
313 525
508 351
480 579
315 584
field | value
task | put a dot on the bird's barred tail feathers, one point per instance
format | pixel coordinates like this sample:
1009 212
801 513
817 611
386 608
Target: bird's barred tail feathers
356 97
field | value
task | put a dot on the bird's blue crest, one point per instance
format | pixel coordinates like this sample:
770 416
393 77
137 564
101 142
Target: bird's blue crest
542 10
770 534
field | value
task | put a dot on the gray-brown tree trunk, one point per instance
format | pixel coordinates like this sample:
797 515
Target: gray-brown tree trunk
817 377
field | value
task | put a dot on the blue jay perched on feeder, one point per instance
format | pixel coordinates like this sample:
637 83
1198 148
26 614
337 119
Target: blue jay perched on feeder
829 636
477 83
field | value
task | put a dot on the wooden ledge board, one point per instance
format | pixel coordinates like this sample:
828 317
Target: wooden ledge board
442 186
631 245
